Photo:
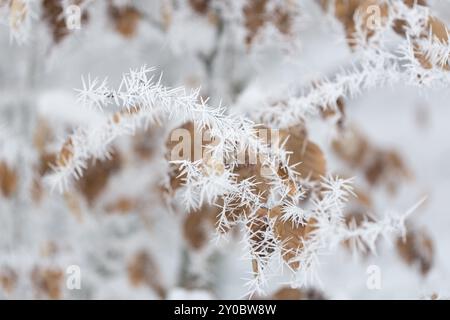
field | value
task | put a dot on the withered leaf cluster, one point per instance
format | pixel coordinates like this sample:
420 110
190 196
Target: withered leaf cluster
257 14
126 19
345 11
53 13
380 166
417 249
311 165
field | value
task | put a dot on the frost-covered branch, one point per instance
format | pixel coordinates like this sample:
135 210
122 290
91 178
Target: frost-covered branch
279 230
420 58
143 100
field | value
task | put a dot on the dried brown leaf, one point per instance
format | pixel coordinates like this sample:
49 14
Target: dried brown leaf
8 179
287 293
126 20
199 225
292 236
96 177
417 249
47 282
142 270
8 279
307 155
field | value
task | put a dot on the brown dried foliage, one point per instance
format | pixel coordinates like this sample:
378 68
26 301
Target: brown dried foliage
255 172
65 154
313 165
8 279
42 135
291 235
142 270
47 282
256 15
49 249
378 165
345 11
417 249
383 165
126 19
309 157
122 205
327 112
46 161
189 132
96 177
198 225
53 14
8 179
287 293
144 146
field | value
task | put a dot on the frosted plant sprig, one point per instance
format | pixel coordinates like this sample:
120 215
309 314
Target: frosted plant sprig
143 100
331 230
93 143
201 188
378 71
94 93
379 65
273 249
263 252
